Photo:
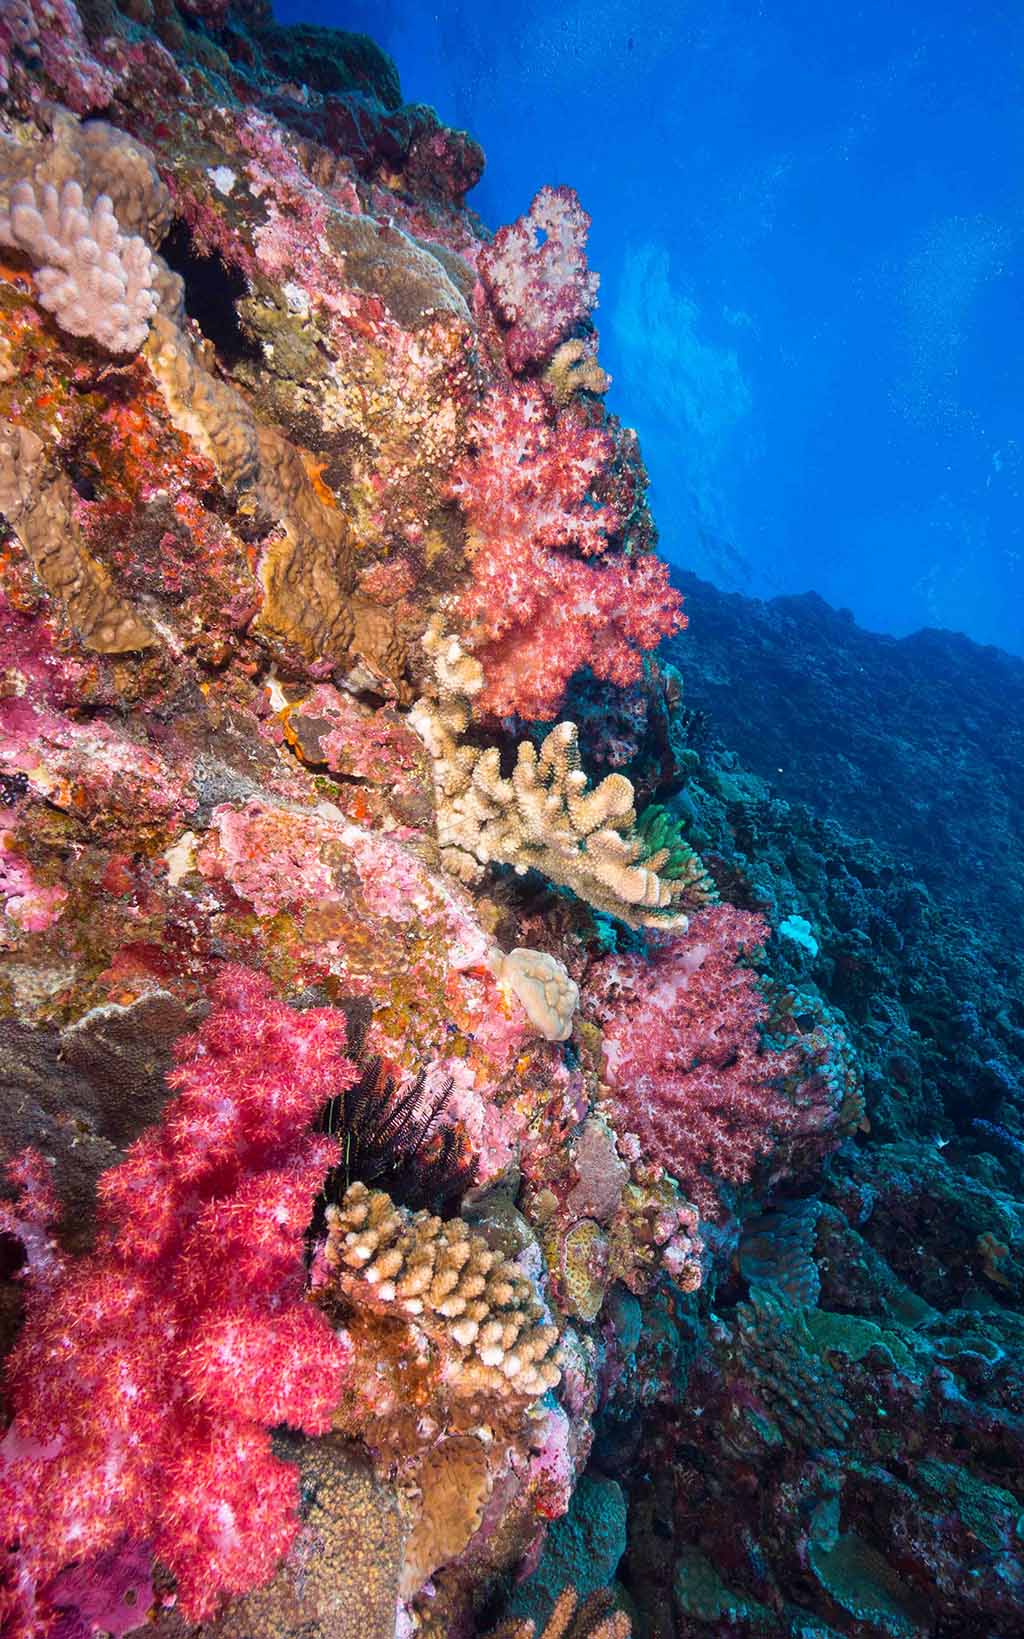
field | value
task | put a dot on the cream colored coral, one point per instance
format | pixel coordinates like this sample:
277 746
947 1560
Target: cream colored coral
574 369
445 1279
543 987
94 279
544 816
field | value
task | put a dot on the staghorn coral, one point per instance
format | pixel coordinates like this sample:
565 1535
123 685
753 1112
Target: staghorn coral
479 1308
38 505
534 610
151 1370
543 817
93 279
535 273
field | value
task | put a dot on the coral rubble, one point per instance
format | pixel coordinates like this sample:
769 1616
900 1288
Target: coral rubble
431 1203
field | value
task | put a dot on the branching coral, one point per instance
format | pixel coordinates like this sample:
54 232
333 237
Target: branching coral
535 273
481 1310
94 279
543 816
151 1371
534 611
684 1055
596 1618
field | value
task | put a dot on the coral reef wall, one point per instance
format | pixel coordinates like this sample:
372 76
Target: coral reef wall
473 1158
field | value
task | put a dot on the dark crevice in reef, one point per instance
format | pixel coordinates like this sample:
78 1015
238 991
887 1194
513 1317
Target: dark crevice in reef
212 290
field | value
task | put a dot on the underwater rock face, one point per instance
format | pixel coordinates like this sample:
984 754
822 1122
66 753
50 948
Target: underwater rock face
470 1150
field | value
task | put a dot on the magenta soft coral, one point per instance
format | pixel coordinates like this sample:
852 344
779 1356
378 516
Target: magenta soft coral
684 1056
536 609
535 273
150 1372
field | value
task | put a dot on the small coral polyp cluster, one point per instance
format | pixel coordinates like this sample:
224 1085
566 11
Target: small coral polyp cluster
391 1090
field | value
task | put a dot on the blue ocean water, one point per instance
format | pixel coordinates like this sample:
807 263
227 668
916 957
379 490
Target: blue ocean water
808 225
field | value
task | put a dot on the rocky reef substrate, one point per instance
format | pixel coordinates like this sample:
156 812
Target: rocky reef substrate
488 1142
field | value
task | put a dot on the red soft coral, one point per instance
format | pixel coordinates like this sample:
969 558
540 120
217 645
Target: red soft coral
150 1373
535 611
684 1055
535 273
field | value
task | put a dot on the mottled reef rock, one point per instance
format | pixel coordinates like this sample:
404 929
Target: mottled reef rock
498 1127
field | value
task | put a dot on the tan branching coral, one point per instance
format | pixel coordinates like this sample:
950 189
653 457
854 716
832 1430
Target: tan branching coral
574 369
594 1619
101 159
442 1276
37 505
545 816
94 279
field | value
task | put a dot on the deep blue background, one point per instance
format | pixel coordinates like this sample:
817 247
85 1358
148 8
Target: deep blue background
808 225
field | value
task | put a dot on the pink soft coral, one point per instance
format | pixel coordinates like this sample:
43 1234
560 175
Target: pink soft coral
150 1372
535 273
684 1056
535 610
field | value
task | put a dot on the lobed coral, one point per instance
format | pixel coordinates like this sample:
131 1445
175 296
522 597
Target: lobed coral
93 279
543 816
480 1308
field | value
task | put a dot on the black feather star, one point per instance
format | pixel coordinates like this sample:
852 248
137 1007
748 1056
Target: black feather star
392 1139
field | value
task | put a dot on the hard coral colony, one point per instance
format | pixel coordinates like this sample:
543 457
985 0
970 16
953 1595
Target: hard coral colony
390 1093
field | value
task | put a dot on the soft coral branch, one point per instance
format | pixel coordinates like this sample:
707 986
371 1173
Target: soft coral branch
550 593
535 273
684 1054
150 1373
